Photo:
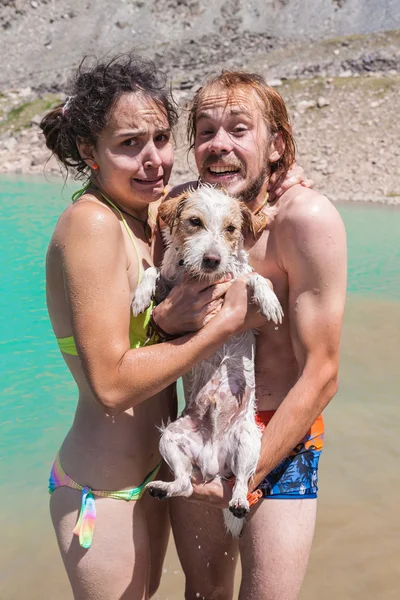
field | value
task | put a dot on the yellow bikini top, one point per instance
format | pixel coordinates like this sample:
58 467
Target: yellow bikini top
138 325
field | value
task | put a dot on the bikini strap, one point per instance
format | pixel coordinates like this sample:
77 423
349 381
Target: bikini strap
140 275
153 218
83 190
80 192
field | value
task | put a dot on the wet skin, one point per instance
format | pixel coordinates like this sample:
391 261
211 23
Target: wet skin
303 253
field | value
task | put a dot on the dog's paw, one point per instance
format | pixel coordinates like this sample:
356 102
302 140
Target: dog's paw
139 307
156 489
141 302
145 291
270 306
239 508
265 298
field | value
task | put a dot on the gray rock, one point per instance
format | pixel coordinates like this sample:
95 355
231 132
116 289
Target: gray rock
39 158
186 84
321 102
304 105
10 144
25 92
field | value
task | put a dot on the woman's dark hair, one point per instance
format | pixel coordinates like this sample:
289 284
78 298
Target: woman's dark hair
93 92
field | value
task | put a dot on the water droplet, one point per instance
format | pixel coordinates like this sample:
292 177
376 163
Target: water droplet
199 547
226 554
276 328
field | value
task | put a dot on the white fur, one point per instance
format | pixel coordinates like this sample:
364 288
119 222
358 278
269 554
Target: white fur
217 432
146 290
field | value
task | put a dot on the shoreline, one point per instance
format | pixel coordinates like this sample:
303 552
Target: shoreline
54 176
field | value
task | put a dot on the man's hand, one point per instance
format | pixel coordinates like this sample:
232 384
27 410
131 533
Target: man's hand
279 184
190 305
216 492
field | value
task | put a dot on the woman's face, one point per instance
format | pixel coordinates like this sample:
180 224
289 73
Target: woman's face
134 152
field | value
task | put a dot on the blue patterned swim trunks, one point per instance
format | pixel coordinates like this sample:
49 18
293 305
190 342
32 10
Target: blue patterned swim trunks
297 475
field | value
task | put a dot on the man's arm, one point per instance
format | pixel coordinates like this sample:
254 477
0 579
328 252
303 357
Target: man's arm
313 252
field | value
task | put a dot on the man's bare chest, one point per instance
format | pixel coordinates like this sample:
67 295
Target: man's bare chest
265 260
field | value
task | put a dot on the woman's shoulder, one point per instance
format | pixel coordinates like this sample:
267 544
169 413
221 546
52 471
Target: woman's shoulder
87 219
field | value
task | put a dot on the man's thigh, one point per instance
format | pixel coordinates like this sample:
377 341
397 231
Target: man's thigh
208 554
275 548
158 527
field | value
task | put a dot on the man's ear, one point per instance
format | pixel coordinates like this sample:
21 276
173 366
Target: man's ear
249 223
277 147
86 151
170 210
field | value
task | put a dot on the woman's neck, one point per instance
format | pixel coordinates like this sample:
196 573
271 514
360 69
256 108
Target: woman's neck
139 213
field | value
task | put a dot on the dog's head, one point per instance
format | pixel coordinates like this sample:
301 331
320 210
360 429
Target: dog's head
207 224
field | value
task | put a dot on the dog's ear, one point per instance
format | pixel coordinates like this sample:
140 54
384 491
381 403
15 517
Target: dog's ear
249 221
170 210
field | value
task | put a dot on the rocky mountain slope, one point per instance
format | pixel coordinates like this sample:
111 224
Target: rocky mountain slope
337 65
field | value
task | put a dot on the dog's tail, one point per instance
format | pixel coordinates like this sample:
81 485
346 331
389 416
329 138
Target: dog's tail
232 523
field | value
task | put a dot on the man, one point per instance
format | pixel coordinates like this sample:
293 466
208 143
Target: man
239 129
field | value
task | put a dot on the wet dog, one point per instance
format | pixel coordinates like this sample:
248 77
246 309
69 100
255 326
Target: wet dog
216 433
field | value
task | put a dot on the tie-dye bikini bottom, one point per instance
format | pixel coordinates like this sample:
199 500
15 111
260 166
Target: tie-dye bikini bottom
84 527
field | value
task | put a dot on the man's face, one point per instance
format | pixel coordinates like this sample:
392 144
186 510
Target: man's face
232 143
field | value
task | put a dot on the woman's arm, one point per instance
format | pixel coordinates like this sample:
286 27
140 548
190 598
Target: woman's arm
97 287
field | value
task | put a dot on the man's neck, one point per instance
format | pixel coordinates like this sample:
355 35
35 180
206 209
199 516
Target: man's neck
255 204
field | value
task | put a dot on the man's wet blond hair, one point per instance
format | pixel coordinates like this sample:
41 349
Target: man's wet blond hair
272 106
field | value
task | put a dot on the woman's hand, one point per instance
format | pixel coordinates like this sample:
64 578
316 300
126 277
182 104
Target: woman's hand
190 305
279 184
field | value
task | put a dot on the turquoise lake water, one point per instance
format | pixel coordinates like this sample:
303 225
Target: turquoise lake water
355 553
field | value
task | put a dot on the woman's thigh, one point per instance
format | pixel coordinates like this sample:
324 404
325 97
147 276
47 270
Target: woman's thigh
117 565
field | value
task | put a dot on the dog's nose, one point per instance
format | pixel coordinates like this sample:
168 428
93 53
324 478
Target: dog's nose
211 261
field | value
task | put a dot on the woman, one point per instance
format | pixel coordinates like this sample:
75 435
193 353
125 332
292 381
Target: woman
115 130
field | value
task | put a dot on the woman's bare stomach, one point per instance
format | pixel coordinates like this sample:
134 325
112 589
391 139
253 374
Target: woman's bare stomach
114 453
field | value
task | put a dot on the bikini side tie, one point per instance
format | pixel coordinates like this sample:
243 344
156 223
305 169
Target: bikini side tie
84 527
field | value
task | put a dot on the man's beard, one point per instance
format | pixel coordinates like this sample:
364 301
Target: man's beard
253 188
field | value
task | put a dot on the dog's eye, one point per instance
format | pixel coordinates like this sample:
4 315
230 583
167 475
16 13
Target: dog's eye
231 228
195 221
